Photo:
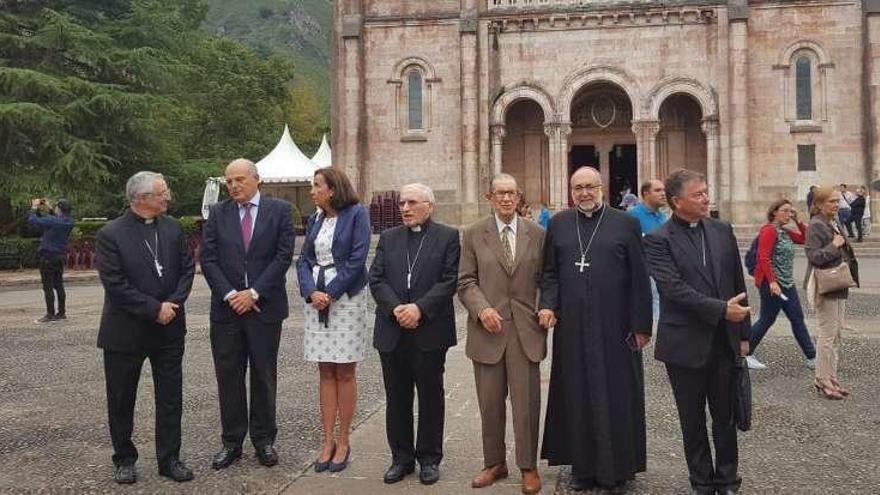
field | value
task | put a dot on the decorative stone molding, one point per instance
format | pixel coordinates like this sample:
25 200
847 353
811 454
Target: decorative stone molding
820 63
667 87
549 15
523 91
583 77
352 25
398 83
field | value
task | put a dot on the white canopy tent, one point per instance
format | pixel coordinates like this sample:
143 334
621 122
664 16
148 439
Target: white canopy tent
283 171
286 163
323 157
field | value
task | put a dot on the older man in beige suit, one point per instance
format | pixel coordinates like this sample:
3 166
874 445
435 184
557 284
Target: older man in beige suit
498 278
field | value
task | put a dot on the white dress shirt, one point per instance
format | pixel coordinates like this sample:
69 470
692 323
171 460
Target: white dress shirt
511 235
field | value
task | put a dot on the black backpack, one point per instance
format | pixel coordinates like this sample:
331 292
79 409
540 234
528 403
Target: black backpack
751 258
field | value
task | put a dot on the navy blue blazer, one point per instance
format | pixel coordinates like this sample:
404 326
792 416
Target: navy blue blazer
225 262
351 243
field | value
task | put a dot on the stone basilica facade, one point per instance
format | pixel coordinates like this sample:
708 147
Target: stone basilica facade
764 97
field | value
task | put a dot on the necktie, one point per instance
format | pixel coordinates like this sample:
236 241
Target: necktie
505 244
247 226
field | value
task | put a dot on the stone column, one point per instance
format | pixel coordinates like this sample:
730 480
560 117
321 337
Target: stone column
710 129
646 148
470 118
499 131
557 135
872 101
349 122
740 179
603 148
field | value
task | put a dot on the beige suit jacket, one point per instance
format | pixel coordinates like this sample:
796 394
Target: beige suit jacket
484 282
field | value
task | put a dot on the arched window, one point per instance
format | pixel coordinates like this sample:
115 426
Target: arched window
414 99
803 88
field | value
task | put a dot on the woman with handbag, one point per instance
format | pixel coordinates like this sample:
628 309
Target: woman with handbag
832 270
332 274
774 277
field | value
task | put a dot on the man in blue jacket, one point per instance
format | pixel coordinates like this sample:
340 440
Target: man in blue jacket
52 254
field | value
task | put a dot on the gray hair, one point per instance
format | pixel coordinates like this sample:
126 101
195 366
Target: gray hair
251 166
676 181
502 177
426 192
141 183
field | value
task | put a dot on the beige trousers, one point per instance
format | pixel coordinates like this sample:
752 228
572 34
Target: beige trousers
517 374
830 313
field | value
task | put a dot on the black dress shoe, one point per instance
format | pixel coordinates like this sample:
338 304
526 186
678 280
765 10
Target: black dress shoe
397 472
125 475
267 455
226 457
176 470
581 484
429 474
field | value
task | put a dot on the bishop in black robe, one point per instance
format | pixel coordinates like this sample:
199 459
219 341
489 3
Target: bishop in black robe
595 418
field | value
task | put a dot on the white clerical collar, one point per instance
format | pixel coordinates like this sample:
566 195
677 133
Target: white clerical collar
148 221
500 224
417 228
589 214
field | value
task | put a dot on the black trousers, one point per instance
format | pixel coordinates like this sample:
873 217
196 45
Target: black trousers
122 371
402 369
235 346
693 389
52 277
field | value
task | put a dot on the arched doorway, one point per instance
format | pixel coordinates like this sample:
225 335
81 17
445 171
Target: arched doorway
602 137
681 142
526 153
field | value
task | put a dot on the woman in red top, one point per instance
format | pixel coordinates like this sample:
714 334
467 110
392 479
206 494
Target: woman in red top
774 277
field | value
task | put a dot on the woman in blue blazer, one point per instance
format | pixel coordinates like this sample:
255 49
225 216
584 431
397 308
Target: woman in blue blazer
332 275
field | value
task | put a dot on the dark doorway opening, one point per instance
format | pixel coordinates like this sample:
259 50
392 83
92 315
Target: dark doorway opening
582 156
623 172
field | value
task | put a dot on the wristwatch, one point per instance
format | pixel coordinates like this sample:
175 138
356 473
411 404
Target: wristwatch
254 295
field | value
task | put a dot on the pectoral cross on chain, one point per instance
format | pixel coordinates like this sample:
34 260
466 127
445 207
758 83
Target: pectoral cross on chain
158 268
583 263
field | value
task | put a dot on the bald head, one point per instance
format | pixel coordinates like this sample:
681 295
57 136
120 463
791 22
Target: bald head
586 188
242 180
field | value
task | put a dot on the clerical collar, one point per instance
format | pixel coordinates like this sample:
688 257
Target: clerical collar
500 223
421 227
140 219
684 223
591 213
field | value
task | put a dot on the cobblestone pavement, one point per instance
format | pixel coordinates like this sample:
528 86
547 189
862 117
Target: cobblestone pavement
54 438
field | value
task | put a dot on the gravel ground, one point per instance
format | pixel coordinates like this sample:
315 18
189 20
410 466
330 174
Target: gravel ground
54 438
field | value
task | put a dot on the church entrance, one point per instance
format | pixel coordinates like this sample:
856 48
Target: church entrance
602 137
680 142
526 151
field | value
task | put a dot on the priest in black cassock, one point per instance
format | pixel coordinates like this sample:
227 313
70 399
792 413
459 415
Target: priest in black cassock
595 289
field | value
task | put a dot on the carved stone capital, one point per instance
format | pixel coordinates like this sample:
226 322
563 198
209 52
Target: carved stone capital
499 132
646 128
710 128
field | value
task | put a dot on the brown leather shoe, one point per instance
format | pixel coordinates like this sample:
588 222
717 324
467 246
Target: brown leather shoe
490 475
531 481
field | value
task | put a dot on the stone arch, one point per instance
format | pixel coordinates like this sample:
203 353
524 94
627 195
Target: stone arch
594 74
787 54
522 91
703 95
401 66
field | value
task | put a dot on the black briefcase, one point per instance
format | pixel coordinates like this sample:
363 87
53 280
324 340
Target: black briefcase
741 389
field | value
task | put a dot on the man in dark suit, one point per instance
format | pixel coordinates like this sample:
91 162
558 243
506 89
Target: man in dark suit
248 249
413 279
704 324
147 272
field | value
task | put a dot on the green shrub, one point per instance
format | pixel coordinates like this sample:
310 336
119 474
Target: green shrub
18 252
191 225
87 228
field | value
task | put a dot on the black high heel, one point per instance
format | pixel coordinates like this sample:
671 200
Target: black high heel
321 466
336 467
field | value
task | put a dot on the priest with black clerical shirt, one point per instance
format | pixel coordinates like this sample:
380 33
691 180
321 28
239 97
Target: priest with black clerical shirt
596 291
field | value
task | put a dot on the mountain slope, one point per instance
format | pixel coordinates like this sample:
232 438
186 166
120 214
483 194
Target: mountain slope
298 28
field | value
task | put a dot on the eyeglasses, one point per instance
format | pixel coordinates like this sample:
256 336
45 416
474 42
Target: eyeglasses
505 194
590 188
409 202
166 194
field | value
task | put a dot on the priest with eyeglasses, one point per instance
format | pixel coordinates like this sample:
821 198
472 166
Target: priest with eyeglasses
596 293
